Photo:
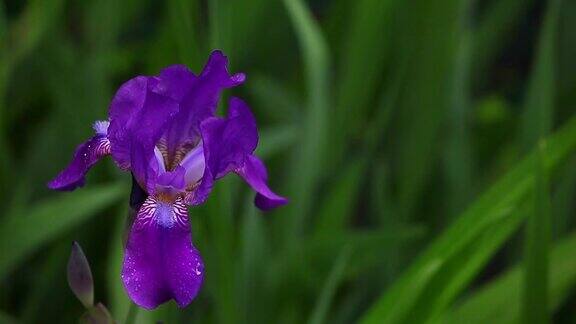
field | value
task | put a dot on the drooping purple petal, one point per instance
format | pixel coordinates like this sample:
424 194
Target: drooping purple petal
254 173
199 100
86 155
160 262
138 118
228 147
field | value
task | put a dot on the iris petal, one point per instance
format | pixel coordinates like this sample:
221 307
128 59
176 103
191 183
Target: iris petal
86 155
138 118
127 101
199 102
254 173
228 147
160 262
193 163
227 141
165 111
175 81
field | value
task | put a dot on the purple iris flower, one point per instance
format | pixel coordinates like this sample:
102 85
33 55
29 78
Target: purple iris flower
163 129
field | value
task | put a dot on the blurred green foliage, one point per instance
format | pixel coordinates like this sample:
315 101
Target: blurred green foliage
428 149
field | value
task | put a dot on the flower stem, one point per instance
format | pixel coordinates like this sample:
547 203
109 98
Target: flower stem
132 312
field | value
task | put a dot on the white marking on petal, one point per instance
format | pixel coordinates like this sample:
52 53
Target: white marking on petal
146 213
103 147
194 163
163 214
181 213
101 127
159 159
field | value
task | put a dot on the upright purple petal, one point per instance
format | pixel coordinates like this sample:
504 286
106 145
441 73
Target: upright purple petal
200 100
160 262
254 173
175 81
227 141
228 147
138 118
86 155
127 101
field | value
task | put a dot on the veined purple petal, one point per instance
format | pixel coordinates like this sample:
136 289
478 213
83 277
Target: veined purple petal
254 173
86 155
175 81
138 118
126 104
227 141
199 100
228 147
160 262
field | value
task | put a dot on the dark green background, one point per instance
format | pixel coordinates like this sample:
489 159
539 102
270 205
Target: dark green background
427 148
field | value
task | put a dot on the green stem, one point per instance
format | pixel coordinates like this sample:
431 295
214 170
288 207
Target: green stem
132 313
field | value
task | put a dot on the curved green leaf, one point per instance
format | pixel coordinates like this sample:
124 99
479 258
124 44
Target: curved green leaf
23 233
499 301
498 206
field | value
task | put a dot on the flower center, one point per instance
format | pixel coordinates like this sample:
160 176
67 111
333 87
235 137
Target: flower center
172 159
182 177
166 197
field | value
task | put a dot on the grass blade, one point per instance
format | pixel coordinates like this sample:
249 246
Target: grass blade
563 201
327 294
221 239
459 162
306 168
276 139
535 293
119 302
538 112
367 39
369 246
48 220
42 286
536 123
495 206
265 90
334 213
496 28
183 17
254 249
424 100
499 301
23 36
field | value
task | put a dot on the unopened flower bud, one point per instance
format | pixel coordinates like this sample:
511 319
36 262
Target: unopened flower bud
80 276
